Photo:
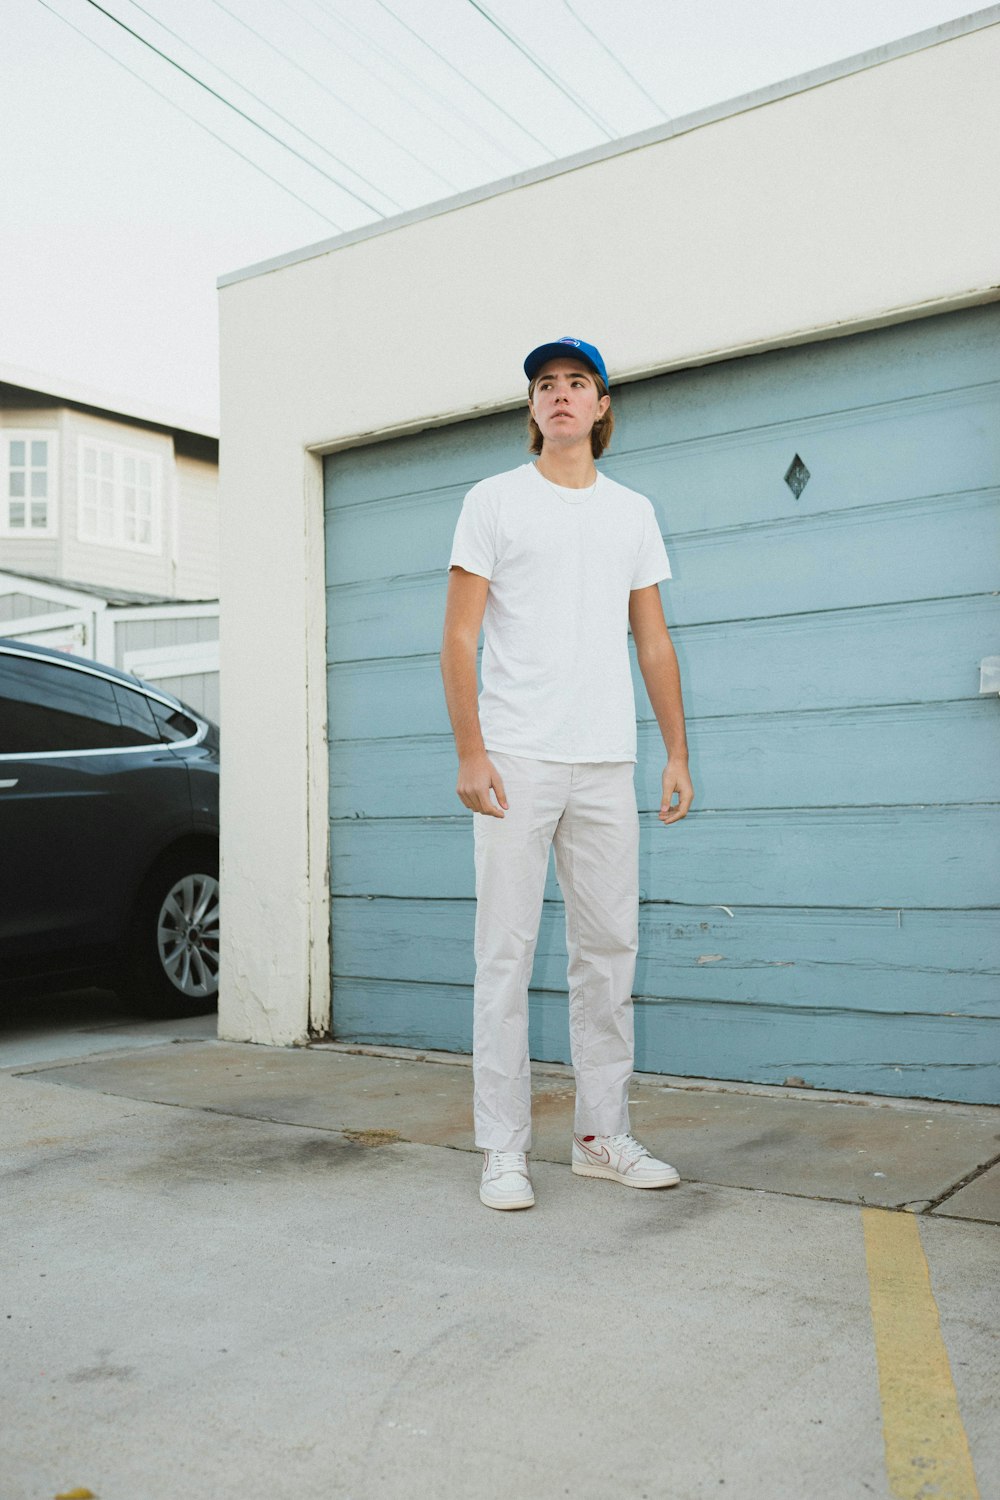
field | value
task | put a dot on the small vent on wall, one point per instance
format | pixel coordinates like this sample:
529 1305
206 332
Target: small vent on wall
797 476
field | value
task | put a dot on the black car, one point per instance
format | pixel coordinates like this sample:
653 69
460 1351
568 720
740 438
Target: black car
109 834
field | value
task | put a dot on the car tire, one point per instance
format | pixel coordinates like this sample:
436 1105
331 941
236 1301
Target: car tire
172 966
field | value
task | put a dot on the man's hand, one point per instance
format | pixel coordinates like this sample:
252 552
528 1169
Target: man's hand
676 779
476 774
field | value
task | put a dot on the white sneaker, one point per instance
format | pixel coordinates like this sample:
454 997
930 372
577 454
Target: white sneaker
621 1158
505 1182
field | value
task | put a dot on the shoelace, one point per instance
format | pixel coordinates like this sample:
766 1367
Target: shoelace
508 1161
628 1146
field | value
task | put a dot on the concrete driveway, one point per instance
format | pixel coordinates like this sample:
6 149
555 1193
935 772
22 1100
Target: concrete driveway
265 1274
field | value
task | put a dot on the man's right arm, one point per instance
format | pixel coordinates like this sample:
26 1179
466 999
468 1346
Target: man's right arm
464 610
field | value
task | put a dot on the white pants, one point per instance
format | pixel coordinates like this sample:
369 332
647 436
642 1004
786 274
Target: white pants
588 811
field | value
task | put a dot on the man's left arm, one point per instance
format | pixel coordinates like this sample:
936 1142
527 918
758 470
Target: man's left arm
658 664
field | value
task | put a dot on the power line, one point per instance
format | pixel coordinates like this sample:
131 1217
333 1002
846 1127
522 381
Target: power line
400 67
229 104
270 107
615 59
193 118
464 77
333 95
563 88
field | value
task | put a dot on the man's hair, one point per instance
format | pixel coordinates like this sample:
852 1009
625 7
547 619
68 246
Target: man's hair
600 433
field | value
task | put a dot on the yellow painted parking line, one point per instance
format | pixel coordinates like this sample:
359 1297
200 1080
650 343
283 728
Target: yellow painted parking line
926 1449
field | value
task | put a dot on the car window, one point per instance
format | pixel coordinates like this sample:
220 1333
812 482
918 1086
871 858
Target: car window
45 706
173 724
137 717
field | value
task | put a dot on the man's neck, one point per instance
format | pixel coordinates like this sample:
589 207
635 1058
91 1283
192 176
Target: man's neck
571 467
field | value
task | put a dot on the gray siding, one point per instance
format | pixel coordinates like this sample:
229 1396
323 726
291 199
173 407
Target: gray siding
146 635
200 691
33 555
197 572
23 606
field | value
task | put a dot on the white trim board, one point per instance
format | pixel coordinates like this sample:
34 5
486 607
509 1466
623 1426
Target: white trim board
30 625
188 660
207 610
16 583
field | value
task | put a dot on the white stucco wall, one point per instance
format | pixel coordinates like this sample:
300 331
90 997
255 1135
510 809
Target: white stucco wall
849 202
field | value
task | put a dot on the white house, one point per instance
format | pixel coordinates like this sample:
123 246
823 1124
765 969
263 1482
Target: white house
796 293
109 518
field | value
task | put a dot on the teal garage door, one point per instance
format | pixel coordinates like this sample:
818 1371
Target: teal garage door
827 911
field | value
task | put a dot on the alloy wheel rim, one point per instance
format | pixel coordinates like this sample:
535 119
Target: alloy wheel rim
187 935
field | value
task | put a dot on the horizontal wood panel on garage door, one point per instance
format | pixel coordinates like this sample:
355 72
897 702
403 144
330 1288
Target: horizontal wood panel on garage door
925 1056
759 955
902 462
924 549
843 759
375 620
850 857
937 753
898 653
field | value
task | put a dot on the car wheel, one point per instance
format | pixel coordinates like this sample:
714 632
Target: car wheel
174 948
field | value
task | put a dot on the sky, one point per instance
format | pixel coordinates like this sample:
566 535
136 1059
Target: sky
120 206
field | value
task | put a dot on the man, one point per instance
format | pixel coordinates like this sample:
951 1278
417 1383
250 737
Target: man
559 560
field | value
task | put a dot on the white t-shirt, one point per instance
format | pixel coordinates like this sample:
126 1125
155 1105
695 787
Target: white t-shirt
561 564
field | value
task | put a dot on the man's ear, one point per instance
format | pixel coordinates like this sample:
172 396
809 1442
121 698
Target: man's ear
603 405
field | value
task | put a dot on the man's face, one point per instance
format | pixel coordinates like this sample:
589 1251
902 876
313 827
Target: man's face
565 403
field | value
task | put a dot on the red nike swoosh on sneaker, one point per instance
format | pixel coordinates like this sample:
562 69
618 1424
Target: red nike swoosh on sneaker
602 1155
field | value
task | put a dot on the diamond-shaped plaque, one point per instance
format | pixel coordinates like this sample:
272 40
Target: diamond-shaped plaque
797 476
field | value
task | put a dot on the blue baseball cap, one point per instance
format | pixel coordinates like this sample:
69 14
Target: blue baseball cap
574 348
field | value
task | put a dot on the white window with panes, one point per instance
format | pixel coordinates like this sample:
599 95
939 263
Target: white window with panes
119 496
28 475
